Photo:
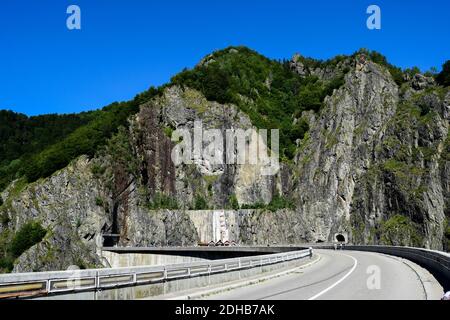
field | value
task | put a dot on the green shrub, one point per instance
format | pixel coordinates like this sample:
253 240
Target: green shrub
29 234
1 201
168 131
99 201
233 202
200 203
443 78
4 218
98 170
162 201
6 264
254 206
399 230
278 202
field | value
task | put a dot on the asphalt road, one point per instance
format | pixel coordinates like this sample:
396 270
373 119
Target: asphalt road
340 275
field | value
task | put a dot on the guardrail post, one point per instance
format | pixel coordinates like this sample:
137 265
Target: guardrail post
97 285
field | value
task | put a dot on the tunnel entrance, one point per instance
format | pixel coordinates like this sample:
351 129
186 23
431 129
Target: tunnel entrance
340 238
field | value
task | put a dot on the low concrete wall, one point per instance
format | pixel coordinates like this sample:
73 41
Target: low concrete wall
182 284
123 260
140 282
436 262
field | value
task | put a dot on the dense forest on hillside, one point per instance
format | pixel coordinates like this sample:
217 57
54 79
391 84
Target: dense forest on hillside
267 90
36 147
22 135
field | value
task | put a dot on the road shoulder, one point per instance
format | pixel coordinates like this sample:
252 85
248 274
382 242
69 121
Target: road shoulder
432 288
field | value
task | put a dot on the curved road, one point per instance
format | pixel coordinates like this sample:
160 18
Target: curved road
343 275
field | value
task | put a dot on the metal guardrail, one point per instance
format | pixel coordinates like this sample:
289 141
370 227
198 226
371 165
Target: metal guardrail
58 282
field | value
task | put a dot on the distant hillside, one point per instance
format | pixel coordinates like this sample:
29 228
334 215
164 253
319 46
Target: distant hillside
267 90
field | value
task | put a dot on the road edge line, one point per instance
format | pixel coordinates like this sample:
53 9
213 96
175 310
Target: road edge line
339 281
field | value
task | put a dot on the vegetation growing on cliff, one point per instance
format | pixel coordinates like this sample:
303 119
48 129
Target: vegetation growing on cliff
443 78
399 230
278 202
12 246
162 201
267 90
199 203
49 143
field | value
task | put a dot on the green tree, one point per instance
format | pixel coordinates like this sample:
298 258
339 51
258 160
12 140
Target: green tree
233 202
28 235
443 78
200 203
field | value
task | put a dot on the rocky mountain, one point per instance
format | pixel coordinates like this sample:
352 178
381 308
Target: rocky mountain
364 157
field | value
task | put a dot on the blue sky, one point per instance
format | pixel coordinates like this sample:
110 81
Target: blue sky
124 47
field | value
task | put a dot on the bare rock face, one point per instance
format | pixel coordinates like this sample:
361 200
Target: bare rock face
67 206
326 73
369 157
420 82
181 109
150 174
297 66
161 228
338 148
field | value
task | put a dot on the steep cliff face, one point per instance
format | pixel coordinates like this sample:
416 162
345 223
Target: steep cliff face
65 205
373 167
145 178
180 109
339 147
373 154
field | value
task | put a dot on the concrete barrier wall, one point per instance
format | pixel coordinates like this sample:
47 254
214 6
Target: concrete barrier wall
436 262
140 282
123 260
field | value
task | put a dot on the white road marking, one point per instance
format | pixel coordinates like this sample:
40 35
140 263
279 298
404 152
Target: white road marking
339 281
